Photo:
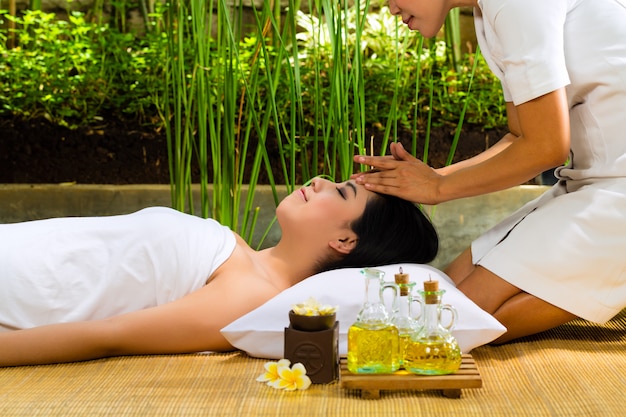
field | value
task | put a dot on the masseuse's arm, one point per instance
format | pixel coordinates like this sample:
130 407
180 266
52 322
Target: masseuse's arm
191 324
514 133
541 142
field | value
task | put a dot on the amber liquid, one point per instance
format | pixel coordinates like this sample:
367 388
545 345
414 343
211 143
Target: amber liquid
373 349
432 356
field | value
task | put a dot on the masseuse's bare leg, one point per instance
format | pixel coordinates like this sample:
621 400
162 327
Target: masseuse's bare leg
461 267
521 313
525 314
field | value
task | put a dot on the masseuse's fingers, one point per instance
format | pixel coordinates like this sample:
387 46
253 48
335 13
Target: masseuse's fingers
403 176
379 163
376 163
399 153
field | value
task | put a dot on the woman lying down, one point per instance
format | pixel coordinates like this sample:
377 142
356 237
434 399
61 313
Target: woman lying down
159 281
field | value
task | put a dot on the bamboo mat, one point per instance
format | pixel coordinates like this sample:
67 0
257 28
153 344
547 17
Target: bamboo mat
578 369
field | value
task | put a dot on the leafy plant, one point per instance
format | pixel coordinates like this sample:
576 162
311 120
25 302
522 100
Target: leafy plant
70 71
44 77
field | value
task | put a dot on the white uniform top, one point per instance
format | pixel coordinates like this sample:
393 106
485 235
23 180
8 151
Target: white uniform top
85 268
571 249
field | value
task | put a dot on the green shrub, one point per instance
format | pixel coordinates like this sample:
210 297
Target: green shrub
71 71
74 72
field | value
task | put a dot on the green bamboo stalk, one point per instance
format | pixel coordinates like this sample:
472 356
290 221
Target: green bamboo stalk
319 121
201 66
457 132
358 95
174 106
336 108
392 118
452 35
418 72
431 88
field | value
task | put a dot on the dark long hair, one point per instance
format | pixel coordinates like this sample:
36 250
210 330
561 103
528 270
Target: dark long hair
391 230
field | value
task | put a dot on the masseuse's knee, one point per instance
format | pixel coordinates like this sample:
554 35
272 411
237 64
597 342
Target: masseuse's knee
487 289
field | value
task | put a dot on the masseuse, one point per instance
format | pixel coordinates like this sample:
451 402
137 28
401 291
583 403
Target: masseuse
562 64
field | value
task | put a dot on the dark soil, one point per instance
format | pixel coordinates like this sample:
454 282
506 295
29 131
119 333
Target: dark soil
126 152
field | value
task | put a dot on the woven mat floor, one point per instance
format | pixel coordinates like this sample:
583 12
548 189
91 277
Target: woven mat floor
578 369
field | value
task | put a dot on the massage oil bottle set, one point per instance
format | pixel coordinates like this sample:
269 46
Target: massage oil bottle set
379 342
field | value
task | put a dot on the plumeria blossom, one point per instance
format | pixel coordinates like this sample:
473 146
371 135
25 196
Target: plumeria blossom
292 378
272 371
312 307
280 376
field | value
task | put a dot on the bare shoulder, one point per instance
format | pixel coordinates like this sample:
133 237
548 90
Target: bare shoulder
240 284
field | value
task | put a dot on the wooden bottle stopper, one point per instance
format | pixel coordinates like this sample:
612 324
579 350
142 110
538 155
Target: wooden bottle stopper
431 286
402 280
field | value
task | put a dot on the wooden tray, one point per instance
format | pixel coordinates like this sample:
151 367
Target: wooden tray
371 384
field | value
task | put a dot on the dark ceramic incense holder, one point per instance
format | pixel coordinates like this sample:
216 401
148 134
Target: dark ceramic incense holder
317 349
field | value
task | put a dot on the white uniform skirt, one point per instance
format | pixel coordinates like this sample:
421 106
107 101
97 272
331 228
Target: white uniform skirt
567 247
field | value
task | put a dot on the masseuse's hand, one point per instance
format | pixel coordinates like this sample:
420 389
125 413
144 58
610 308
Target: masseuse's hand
401 175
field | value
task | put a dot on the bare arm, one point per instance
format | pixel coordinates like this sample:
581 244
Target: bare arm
190 324
503 143
542 143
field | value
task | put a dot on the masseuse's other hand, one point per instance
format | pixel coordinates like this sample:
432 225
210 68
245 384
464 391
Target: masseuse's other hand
402 175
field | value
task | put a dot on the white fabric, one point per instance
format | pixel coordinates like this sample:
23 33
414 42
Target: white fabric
538 255
537 46
512 37
260 333
567 247
85 268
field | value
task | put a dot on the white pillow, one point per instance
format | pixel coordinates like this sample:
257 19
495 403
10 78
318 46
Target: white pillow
260 333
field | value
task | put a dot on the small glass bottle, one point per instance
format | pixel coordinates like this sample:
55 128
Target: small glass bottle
433 350
372 339
402 316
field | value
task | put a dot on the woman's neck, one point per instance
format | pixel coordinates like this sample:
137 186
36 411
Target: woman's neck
286 264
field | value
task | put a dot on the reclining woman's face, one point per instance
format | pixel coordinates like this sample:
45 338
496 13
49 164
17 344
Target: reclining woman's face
323 206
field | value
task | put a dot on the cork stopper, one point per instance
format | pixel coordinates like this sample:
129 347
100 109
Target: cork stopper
402 280
431 287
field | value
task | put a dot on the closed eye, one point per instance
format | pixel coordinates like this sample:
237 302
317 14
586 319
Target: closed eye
342 190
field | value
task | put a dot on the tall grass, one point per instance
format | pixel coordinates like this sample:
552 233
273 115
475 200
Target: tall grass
294 81
210 85
305 86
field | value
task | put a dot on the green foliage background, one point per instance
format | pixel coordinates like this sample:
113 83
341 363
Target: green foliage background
308 84
70 71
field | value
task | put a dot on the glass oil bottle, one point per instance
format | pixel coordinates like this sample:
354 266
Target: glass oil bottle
402 317
433 350
372 338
